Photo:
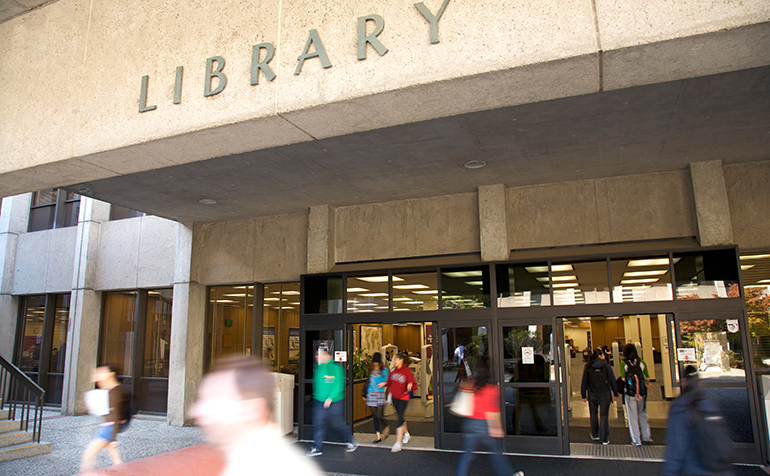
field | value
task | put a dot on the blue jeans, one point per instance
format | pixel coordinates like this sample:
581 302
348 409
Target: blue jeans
478 430
336 414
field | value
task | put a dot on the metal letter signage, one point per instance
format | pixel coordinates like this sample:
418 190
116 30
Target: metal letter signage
363 39
143 107
319 52
432 19
257 65
211 72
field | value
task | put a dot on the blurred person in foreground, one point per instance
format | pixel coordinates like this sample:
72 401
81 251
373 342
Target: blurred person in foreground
328 404
697 441
375 398
485 425
234 409
400 383
114 422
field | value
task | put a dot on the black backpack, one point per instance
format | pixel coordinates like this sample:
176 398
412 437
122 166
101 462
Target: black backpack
635 384
598 380
713 446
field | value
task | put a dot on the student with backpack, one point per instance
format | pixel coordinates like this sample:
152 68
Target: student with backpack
697 438
635 374
598 388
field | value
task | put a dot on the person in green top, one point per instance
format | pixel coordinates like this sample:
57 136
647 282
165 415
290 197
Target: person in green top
328 404
635 376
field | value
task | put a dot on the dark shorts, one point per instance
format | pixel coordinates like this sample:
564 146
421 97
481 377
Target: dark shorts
400 406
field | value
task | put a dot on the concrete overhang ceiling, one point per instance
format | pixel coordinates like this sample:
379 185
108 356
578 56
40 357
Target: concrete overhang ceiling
655 128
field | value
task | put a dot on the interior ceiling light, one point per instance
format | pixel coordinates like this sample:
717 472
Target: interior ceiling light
378 279
475 164
464 274
744 267
755 257
475 283
357 290
374 295
271 299
431 291
402 299
291 293
536 269
647 262
639 281
566 285
636 274
411 286
207 201
764 281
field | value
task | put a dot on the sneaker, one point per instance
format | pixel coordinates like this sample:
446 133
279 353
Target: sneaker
518 473
396 448
595 438
606 442
315 452
636 444
407 437
648 441
351 447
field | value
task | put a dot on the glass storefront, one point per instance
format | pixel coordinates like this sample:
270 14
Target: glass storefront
230 322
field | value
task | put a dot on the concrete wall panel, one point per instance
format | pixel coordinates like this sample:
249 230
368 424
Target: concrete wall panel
157 252
117 259
281 248
408 228
749 196
227 252
32 262
61 260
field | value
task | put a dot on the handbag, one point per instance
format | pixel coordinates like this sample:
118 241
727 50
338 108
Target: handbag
462 404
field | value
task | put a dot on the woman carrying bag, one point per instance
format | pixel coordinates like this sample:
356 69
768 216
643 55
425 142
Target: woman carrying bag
484 425
374 396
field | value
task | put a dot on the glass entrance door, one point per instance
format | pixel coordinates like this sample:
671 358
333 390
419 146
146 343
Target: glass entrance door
531 376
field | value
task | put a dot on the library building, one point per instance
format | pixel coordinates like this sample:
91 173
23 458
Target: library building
460 182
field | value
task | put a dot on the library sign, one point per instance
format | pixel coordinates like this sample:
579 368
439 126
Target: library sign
263 53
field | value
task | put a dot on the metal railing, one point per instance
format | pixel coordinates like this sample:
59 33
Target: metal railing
17 391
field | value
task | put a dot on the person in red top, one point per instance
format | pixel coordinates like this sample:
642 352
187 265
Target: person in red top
400 382
484 424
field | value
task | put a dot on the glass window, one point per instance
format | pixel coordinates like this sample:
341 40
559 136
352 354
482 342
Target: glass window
523 285
120 213
537 338
531 411
71 210
59 341
465 288
755 270
641 279
706 275
368 293
280 331
580 283
157 336
463 346
323 295
415 291
43 212
230 329
733 404
118 331
718 348
33 314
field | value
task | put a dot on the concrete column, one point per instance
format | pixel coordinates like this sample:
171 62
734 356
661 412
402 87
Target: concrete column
631 328
188 327
321 242
85 308
647 354
493 223
14 216
711 203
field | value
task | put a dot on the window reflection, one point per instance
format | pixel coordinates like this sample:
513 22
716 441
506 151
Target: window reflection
527 353
706 275
230 311
59 341
118 331
157 337
323 295
415 291
463 347
465 288
585 283
280 331
641 279
29 352
718 348
755 270
368 293
523 286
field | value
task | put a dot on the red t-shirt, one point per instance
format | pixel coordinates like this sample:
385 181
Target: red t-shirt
486 400
398 379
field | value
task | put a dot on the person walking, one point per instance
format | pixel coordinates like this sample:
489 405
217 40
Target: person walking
635 374
693 448
234 408
114 422
400 382
374 396
484 425
328 404
600 386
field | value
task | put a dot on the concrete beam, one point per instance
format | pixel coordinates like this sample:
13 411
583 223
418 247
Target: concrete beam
712 207
493 223
321 242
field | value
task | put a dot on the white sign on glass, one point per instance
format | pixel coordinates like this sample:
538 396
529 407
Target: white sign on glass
732 325
685 354
340 356
528 355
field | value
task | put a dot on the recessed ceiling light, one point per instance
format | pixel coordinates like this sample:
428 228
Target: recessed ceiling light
636 274
402 299
463 274
755 257
639 281
648 262
411 286
378 279
374 295
357 290
207 201
432 291
744 267
475 164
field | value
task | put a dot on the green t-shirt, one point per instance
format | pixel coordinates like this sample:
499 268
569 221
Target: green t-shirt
329 382
641 364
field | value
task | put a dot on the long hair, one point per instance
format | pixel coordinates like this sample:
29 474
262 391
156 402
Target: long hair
480 375
376 359
594 357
